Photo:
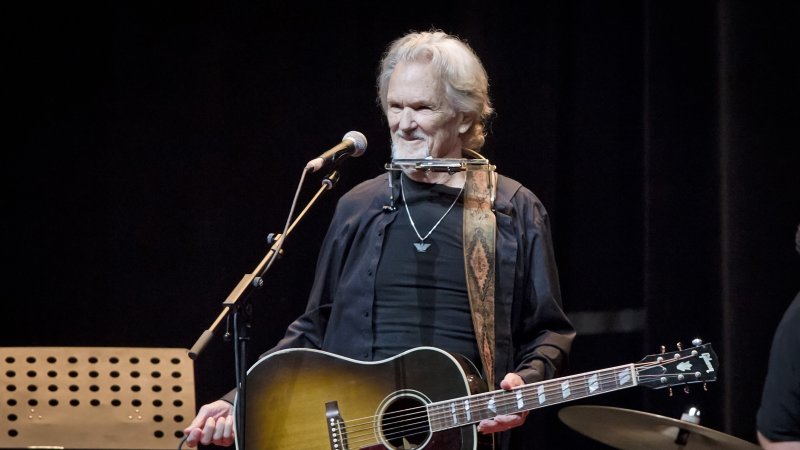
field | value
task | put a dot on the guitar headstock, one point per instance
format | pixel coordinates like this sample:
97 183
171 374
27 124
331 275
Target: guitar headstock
697 364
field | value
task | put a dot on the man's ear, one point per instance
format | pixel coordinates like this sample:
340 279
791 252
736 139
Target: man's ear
466 123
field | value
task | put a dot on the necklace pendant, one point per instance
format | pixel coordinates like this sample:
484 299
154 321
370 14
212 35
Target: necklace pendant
421 247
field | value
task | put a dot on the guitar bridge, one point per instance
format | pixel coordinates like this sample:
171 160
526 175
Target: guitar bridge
337 436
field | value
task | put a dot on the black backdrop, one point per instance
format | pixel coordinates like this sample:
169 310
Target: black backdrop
154 146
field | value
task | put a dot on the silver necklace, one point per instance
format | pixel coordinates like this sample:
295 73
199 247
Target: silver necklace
421 246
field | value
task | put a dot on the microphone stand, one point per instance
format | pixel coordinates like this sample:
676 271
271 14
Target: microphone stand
235 303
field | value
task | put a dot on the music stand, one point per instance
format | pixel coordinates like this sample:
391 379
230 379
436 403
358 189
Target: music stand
95 397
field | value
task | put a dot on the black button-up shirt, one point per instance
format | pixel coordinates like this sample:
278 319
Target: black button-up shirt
533 335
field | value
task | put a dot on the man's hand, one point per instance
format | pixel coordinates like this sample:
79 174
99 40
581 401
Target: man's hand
212 425
506 421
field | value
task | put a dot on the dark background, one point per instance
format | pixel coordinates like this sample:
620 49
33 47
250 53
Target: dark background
152 147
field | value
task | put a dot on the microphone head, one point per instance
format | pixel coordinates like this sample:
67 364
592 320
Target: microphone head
359 141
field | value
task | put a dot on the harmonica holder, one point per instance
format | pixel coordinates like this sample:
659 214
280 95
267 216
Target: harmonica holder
449 166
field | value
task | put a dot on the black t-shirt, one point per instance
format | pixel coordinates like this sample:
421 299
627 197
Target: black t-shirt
779 414
421 296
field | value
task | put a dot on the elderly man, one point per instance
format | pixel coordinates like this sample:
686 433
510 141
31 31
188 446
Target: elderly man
458 260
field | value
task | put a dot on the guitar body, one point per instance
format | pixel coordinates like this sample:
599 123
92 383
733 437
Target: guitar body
305 399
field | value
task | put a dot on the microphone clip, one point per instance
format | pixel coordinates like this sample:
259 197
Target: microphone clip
330 179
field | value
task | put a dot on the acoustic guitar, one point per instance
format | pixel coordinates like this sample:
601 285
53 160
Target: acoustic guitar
424 398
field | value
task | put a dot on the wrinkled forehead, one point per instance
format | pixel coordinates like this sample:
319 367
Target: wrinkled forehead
415 81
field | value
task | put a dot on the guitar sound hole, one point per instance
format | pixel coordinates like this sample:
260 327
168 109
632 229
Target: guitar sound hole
404 423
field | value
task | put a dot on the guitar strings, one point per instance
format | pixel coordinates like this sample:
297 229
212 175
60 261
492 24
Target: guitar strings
419 419
507 398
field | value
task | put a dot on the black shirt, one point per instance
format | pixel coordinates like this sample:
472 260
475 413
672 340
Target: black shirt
779 414
418 291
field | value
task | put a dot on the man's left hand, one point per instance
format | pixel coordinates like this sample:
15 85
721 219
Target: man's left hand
504 422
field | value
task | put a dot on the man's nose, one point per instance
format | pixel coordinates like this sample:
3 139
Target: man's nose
407 119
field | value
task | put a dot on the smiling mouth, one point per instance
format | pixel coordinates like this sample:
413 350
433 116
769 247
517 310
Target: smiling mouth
411 138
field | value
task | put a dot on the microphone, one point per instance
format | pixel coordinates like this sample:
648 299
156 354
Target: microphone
353 144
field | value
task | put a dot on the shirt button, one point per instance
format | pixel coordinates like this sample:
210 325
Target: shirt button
366 314
369 272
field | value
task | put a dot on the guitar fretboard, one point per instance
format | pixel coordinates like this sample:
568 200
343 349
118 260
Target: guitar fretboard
472 409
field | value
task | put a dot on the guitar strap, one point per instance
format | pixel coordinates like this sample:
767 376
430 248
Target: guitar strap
479 260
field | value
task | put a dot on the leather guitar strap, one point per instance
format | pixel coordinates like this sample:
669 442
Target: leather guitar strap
479 259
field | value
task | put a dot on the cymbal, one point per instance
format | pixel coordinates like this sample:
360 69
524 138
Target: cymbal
626 429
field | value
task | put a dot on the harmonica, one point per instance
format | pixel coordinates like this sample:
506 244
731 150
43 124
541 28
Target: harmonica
449 165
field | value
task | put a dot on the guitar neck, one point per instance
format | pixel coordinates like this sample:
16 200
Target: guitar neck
474 408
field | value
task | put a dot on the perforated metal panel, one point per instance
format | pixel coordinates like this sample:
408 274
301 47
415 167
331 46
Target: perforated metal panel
95 397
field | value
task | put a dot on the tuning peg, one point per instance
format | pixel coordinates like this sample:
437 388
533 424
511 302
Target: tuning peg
679 346
686 389
663 349
227 336
705 387
697 342
670 391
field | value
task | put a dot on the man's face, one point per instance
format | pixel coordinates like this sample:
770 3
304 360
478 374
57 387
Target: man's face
421 121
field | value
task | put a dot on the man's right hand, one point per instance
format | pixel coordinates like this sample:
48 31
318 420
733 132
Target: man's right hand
212 425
